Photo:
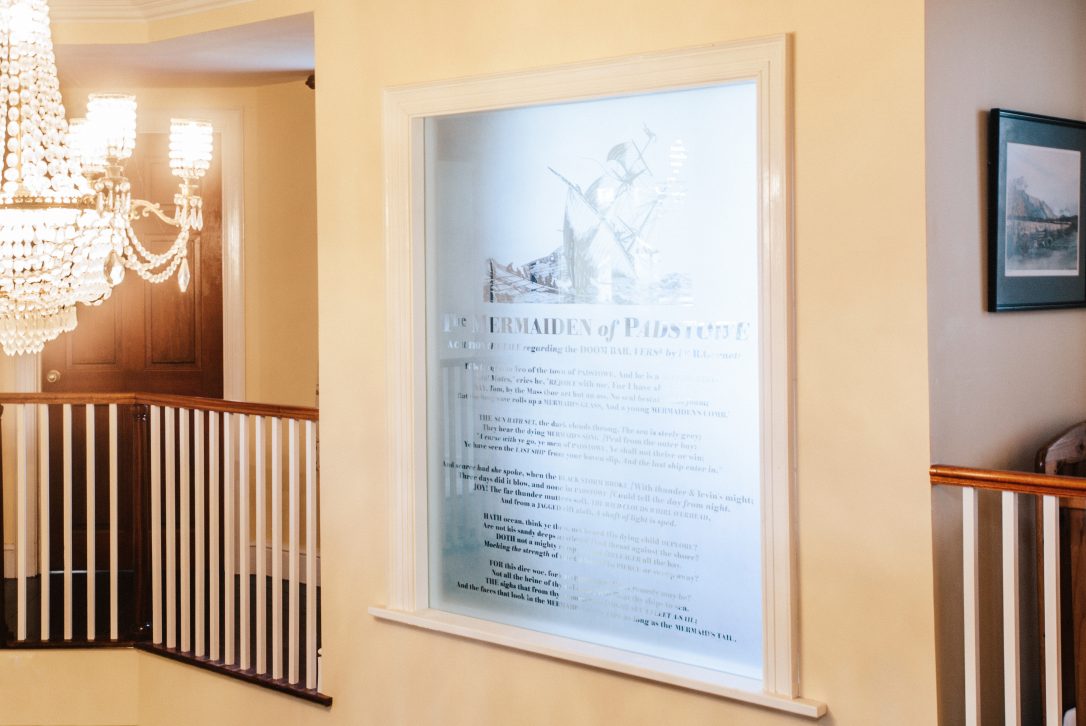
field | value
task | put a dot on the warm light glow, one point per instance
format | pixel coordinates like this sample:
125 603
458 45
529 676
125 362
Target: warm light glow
65 205
112 117
87 146
190 148
20 17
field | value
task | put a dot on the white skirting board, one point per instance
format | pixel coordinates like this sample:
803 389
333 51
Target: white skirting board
9 562
268 554
32 565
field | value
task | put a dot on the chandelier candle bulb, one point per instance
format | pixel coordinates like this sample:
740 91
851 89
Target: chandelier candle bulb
190 148
87 148
112 117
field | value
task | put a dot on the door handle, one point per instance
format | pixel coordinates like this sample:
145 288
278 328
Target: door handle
52 376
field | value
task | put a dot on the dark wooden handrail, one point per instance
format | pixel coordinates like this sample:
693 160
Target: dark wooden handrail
1008 481
164 399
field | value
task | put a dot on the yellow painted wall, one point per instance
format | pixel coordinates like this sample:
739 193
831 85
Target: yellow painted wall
174 693
863 506
865 574
70 687
281 249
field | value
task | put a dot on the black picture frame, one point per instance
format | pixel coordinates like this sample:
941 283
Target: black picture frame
1036 171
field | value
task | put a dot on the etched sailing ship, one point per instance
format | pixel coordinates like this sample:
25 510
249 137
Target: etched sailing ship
607 254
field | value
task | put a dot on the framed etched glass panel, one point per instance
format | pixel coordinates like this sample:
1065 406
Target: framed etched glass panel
590 366
593 372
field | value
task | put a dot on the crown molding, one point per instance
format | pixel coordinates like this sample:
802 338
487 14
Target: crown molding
105 11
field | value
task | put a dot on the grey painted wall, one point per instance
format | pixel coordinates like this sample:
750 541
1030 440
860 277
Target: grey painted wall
1000 384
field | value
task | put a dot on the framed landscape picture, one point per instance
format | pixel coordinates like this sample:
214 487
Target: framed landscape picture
1035 198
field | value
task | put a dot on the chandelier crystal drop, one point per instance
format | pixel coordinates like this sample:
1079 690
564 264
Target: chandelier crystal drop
66 207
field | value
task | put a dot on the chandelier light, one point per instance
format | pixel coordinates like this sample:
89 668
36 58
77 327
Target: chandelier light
66 207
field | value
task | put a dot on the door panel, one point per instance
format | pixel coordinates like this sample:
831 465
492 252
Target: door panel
172 335
152 337
98 345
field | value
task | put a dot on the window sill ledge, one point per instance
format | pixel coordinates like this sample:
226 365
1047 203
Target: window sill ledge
685 676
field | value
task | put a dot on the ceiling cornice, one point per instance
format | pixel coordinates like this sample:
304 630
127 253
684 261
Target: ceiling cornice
106 11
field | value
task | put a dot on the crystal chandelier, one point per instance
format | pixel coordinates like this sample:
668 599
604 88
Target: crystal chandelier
66 207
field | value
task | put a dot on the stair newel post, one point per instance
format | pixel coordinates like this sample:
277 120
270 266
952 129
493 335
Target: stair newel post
141 524
5 631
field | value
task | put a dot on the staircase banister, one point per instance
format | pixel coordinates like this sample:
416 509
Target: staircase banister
178 478
165 399
1014 481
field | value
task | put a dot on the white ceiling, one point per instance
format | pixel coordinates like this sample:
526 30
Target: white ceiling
272 51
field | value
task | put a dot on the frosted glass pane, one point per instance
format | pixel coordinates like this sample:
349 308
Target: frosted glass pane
594 388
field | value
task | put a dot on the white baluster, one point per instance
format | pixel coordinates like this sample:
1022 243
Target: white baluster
310 555
114 554
1053 686
92 525
244 584
186 532
67 504
277 547
1012 696
20 520
228 539
171 530
198 486
156 525
214 441
971 598
43 516
293 640
261 551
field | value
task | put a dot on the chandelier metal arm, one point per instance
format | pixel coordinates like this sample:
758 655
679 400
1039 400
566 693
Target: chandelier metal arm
142 209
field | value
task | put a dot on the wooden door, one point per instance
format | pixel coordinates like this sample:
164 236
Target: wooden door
144 338
152 337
